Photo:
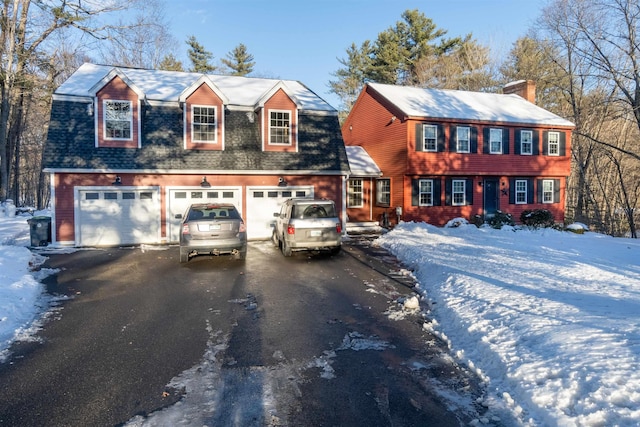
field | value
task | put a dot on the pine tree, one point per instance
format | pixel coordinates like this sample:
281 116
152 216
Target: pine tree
170 63
200 58
239 61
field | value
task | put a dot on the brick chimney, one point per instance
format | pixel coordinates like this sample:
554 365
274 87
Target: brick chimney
524 88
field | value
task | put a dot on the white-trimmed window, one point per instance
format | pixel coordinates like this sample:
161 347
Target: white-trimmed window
526 142
203 123
547 191
383 192
280 127
425 192
553 143
354 190
521 191
463 139
495 141
430 141
118 119
458 192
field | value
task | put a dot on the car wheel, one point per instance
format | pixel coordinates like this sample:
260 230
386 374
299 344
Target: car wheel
184 256
286 249
274 239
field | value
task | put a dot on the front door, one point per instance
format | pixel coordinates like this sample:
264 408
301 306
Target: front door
491 197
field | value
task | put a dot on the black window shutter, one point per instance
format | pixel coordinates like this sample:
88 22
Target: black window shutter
556 191
530 191
469 191
447 191
415 189
453 139
485 140
512 189
419 138
437 192
505 141
539 191
440 138
536 144
545 142
474 140
563 144
516 142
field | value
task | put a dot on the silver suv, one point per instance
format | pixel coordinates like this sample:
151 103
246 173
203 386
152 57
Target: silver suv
212 229
307 225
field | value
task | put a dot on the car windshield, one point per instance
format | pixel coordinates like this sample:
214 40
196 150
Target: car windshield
213 212
313 211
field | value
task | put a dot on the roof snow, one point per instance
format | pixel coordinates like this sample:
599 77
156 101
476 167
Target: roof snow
466 105
167 86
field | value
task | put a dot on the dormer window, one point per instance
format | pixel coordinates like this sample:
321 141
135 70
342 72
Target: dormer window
279 127
118 120
203 124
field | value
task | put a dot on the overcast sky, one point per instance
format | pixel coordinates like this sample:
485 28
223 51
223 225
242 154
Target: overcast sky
300 40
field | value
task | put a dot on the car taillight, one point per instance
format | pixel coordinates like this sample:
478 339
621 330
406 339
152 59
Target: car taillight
185 228
243 228
291 229
339 228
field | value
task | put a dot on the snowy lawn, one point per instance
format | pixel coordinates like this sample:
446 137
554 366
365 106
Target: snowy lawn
549 319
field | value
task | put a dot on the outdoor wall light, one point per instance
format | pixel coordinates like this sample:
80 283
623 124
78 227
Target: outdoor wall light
90 109
282 182
204 183
118 181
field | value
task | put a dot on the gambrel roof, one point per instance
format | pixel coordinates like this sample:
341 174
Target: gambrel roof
71 146
415 102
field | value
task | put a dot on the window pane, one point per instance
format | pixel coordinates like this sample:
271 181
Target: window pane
279 127
203 124
118 119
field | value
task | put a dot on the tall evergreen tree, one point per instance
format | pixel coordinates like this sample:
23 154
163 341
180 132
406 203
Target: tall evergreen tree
170 63
239 61
200 57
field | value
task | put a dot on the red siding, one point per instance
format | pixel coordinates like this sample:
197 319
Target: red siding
206 97
280 101
117 89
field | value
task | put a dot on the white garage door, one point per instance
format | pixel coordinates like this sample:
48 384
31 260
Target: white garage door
117 216
263 202
179 199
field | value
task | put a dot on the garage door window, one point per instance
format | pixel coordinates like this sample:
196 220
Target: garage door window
301 194
196 194
129 195
111 196
212 194
227 194
258 194
146 196
180 195
272 194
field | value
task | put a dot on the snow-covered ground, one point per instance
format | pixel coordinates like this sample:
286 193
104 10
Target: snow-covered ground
550 320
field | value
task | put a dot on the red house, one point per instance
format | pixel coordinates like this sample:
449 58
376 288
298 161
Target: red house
445 154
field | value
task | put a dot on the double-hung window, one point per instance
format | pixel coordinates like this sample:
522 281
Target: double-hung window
495 141
279 127
118 119
526 142
463 135
203 123
354 189
553 143
547 191
521 191
425 192
458 192
383 192
430 141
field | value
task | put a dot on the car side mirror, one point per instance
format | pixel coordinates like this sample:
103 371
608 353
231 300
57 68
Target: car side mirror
178 216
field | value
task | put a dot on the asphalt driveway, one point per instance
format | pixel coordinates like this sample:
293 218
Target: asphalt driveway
308 340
